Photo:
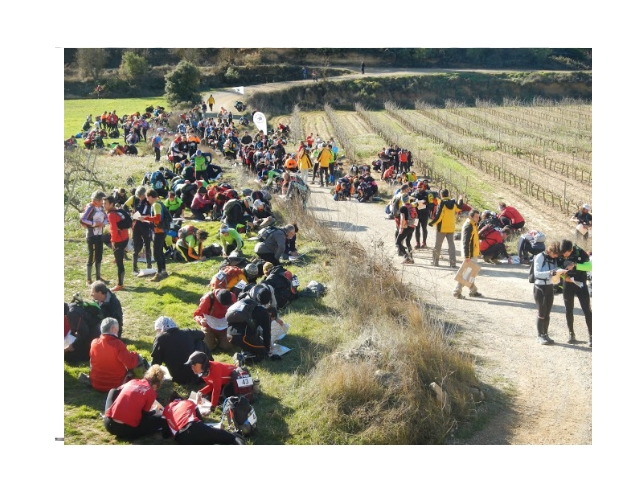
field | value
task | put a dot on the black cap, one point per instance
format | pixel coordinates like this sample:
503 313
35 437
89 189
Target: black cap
197 357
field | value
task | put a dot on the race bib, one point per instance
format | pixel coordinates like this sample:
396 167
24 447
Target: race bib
244 382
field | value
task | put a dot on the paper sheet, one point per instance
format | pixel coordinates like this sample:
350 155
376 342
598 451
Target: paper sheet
68 340
204 406
279 350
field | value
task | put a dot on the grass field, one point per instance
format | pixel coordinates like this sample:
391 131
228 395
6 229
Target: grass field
296 406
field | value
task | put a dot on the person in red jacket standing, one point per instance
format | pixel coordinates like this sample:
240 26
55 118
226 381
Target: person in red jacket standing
510 217
129 410
188 428
109 359
214 374
119 238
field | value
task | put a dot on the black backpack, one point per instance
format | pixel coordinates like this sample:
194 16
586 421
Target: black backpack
284 283
241 312
165 218
532 278
126 221
238 416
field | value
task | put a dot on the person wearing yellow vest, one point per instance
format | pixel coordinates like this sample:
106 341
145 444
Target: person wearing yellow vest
211 103
471 249
324 158
445 220
304 164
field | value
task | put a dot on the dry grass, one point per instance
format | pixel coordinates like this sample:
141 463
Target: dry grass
374 389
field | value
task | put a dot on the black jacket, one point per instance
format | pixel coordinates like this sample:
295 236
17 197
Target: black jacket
173 348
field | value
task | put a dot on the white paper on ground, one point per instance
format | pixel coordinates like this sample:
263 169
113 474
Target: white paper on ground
279 349
146 272
278 332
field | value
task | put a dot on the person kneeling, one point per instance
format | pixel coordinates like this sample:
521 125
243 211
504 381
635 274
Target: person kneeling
128 411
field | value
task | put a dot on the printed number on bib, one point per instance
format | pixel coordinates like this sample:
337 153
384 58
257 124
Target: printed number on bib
252 419
244 382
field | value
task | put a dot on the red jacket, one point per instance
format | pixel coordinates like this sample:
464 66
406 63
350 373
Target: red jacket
117 235
109 360
217 310
136 396
179 414
490 239
512 214
219 375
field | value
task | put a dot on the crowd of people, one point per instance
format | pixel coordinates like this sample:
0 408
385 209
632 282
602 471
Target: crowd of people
246 296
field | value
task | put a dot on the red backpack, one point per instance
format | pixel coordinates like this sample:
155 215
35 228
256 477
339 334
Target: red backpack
227 277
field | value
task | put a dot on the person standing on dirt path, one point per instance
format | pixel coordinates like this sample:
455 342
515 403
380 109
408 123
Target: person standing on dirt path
545 266
575 284
425 206
211 101
471 249
408 217
445 220
362 67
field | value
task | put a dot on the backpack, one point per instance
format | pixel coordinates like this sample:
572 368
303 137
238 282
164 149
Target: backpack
284 283
532 278
126 221
184 232
240 312
157 180
90 217
165 218
482 233
238 416
227 277
241 384
84 322
265 233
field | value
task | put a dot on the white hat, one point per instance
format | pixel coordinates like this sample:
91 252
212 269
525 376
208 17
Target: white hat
586 206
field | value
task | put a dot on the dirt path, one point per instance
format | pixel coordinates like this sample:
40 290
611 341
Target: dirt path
549 387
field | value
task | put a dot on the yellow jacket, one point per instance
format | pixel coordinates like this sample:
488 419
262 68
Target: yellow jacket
304 162
325 157
445 218
470 242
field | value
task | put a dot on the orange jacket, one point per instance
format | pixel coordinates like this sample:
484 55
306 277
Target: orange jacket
109 360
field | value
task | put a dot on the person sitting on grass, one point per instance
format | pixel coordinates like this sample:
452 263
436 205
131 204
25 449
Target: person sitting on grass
190 247
188 427
231 240
214 374
172 346
111 364
129 410
175 205
201 205
109 304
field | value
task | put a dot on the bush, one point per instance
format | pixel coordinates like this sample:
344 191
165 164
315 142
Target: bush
183 84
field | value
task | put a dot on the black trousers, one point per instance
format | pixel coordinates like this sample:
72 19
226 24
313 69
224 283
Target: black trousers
422 226
95 247
118 252
158 251
141 237
147 426
404 236
543 296
569 292
269 257
198 433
